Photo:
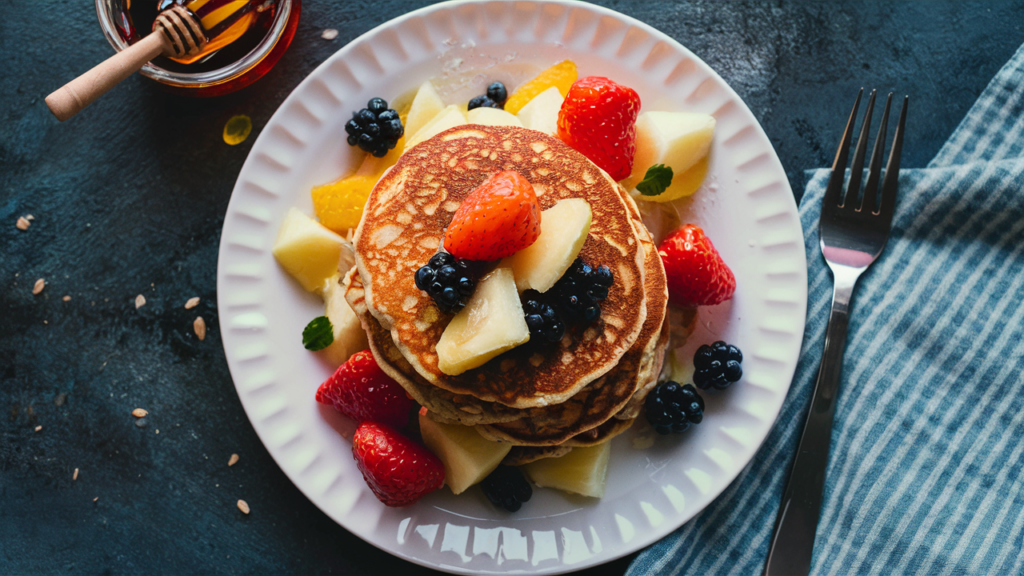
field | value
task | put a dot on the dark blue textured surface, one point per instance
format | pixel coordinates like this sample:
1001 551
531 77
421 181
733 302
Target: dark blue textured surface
129 198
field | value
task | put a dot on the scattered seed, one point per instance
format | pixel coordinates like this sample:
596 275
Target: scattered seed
199 325
192 303
96 498
23 223
329 34
59 399
233 460
237 130
67 298
38 428
30 217
40 284
75 475
141 423
139 412
140 301
243 506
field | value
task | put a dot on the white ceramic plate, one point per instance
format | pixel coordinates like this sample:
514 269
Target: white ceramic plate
746 207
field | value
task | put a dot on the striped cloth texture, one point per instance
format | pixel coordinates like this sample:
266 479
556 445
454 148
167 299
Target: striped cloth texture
926 471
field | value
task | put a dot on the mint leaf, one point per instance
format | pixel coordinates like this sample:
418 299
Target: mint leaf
318 334
656 180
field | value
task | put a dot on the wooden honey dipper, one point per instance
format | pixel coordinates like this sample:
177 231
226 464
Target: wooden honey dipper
177 33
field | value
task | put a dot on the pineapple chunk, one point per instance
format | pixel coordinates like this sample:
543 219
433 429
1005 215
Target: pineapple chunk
541 113
563 230
425 106
582 471
678 140
450 117
492 117
468 457
307 250
349 336
491 323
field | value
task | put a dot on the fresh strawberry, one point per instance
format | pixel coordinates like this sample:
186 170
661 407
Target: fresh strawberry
362 391
397 469
498 219
695 272
598 118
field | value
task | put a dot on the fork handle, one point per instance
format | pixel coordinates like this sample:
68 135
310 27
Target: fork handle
797 521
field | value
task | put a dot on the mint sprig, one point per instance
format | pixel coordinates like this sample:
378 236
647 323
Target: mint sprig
656 180
318 334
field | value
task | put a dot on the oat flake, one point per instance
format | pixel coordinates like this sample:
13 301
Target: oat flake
199 325
192 303
139 412
243 506
329 34
140 301
233 460
40 284
22 224
75 475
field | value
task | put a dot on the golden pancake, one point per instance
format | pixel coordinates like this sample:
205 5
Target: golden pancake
403 225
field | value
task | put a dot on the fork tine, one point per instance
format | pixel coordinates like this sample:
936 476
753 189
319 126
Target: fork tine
892 169
870 201
857 168
835 181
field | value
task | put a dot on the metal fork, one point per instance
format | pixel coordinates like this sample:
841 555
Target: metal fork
853 234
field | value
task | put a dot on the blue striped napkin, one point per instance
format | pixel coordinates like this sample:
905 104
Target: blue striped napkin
926 474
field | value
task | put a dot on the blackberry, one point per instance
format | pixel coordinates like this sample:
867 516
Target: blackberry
717 366
672 408
507 488
581 289
376 128
448 281
496 92
542 318
482 102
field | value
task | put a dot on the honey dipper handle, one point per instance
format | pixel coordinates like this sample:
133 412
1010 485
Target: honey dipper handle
82 91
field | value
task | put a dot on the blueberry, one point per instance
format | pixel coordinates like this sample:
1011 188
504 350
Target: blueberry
482 102
496 92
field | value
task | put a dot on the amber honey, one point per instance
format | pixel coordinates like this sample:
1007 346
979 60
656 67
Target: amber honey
235 27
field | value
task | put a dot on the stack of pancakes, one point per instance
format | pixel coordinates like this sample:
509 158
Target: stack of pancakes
543 399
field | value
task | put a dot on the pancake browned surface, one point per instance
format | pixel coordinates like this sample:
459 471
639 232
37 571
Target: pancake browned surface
443 405
403 226
605 397
520 455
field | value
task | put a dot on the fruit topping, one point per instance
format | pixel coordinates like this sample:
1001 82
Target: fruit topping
492 117
543 320
362 391
497 92
376 128
563 230
598 119
491 323
541 113
468 457
582 471
580 291
349 336
507 488
448 281
498 219
672 407
717 366
449 117
426 105
679 141
560 76
482 101
339 205
397 469
695 272
307 250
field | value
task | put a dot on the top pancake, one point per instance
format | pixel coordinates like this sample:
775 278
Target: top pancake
403 225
